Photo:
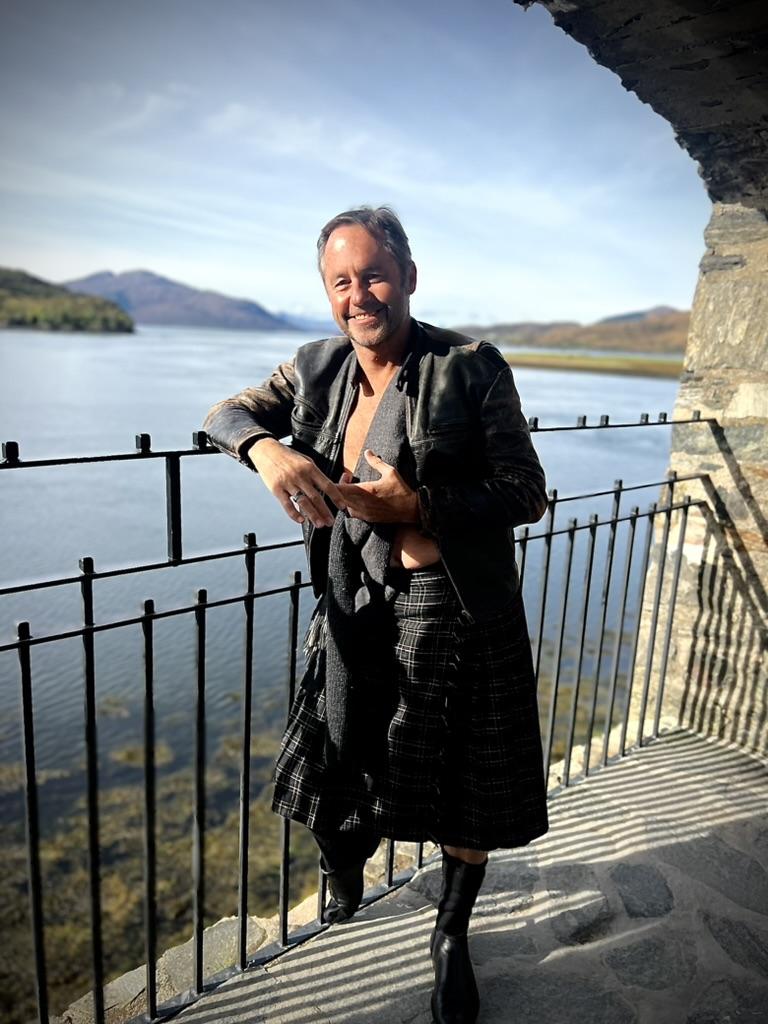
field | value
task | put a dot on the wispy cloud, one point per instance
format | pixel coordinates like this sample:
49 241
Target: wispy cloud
216 141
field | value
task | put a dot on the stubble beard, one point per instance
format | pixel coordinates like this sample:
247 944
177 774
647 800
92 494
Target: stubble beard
372 338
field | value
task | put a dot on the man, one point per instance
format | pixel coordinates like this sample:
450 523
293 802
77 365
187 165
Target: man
410 466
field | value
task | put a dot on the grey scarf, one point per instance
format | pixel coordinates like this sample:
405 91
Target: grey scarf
350 624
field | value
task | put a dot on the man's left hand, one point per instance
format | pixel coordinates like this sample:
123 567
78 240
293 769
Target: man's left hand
386 500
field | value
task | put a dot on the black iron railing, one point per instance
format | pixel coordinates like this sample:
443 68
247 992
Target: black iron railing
589 635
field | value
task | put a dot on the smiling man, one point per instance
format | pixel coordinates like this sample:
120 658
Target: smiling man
410 464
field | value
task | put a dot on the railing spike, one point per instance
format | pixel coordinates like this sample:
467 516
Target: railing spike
11 452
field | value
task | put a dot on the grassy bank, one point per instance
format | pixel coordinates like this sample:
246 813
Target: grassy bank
635 366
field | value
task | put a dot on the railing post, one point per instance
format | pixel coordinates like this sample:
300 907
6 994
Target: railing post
656 605
198 819
150 853
10 452
92 777
522 543
671 613
32 824
619 634
636 639
545 575
615 508
173 507
582 640
572 523
245 764
390 870
285 825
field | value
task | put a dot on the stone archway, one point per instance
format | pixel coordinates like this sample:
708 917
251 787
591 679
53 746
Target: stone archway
703 66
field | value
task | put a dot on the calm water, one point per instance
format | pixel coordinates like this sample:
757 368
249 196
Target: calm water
74 395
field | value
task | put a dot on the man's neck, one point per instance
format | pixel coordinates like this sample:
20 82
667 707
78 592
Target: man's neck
380 364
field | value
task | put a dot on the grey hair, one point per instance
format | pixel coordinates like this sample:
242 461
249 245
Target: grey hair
381 222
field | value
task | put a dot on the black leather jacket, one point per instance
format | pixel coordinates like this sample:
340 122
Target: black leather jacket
477 472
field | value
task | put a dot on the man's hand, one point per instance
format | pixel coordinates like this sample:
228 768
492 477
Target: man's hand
386 500
287 473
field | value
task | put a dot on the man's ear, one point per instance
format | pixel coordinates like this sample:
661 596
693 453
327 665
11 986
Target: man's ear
410 281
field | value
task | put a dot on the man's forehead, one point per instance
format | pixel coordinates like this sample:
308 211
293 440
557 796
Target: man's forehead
348 236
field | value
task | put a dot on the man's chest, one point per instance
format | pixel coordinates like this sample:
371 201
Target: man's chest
358 425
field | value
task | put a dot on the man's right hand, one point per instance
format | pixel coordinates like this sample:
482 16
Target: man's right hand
286 472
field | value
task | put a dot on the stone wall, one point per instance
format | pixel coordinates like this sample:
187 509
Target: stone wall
717 674
704 68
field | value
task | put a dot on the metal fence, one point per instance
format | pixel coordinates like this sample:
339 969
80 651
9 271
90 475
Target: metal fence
586 619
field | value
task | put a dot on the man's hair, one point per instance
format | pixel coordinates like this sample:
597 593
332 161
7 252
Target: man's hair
381 222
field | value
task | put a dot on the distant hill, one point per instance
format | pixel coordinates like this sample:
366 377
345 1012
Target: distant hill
152 299
27 301
645 314
316 324
658 330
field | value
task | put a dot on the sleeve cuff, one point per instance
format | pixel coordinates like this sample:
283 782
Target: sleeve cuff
245 446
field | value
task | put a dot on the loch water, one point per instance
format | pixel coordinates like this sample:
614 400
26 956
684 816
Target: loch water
66 395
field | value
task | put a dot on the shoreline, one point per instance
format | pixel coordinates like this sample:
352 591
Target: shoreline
633 366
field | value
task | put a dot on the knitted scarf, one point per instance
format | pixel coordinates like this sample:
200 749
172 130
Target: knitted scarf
360 688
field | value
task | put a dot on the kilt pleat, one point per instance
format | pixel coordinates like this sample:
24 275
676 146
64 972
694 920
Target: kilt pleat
463 755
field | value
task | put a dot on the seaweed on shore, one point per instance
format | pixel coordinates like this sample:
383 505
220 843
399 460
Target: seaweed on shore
66 876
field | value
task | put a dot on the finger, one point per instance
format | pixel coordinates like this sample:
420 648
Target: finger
360 502
313 507
320 482
346 477
289 509
352 493
375 462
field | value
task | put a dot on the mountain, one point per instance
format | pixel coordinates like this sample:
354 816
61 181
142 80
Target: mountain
152 299
657 330
646 314
322 327
27 301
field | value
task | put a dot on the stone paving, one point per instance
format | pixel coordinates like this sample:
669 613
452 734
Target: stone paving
646 902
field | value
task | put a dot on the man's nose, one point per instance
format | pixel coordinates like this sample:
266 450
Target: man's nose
359 291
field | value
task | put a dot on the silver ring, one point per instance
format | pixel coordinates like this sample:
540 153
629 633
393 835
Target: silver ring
295 500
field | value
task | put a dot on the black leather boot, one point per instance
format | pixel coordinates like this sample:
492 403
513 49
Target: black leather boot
455 999
343 857
346 885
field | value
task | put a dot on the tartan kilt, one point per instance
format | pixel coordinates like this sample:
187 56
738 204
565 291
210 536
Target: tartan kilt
464 759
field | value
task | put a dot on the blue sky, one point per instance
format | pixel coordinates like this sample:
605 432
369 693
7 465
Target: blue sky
210 141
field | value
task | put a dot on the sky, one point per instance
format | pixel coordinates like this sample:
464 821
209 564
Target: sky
209 142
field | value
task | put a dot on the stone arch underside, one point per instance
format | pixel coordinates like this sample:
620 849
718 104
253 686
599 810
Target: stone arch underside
703 66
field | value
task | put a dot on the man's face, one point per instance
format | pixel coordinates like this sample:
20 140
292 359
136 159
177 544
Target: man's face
369 299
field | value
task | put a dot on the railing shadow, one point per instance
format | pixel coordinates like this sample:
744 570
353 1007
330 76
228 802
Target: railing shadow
671 804
722 694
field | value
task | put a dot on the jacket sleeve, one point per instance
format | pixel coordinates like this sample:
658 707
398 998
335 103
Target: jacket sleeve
236 423
512 490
